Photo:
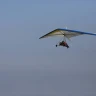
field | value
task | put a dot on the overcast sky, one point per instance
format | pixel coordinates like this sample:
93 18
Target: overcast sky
33 67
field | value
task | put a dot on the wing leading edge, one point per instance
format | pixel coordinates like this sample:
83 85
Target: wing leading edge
66 32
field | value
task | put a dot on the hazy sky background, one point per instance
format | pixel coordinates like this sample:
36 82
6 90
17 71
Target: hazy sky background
33 67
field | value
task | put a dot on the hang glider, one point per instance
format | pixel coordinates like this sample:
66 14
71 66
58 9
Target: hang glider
66 33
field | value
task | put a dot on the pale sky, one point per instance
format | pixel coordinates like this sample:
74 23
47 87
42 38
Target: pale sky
33 67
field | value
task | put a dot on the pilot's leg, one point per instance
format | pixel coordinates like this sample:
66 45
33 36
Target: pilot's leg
56 45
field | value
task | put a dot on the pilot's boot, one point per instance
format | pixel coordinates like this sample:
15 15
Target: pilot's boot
67 46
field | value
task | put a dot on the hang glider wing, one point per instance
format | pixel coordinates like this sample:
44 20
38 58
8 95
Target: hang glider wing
65 32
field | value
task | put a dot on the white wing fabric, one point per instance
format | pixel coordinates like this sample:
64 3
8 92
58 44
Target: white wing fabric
65 32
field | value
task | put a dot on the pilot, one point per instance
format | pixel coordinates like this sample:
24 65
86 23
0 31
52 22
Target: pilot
64 44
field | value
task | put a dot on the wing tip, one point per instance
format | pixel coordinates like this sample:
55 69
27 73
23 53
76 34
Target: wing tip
41 37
